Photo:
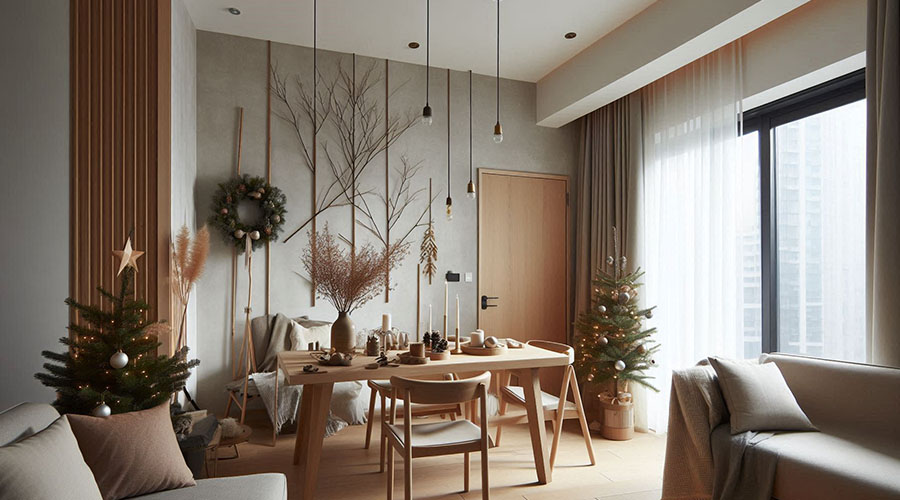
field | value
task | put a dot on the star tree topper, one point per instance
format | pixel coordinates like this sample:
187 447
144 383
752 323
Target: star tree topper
128 257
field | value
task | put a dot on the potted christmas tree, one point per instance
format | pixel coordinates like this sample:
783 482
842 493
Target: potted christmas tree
613 346
110 364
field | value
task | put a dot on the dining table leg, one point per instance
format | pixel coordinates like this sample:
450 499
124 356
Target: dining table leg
531 384
303 412
314 434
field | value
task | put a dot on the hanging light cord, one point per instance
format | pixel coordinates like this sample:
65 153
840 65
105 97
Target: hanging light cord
427 48
470 126
498 61
448 133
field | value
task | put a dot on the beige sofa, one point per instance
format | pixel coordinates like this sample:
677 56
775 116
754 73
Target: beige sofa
26 419
856 408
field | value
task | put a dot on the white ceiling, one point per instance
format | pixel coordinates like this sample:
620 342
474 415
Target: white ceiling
462 31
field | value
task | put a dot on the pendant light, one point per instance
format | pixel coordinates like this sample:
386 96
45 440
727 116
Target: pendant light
426 111
498 130
449 199
470 189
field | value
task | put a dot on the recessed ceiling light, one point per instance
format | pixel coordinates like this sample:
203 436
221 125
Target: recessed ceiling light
414 45
570 35
234 11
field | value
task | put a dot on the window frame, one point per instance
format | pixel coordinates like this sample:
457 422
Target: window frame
764 119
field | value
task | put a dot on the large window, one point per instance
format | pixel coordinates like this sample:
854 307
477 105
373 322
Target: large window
810 150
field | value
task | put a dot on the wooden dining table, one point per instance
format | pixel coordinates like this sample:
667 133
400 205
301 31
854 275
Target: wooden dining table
315 401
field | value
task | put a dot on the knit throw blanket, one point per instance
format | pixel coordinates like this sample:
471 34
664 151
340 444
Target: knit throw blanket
288 402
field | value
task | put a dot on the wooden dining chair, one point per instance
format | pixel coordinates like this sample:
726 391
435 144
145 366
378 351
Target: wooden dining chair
382 389
556 408
437 438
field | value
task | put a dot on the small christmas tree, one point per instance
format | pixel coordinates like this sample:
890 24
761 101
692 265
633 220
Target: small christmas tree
612 344
111 365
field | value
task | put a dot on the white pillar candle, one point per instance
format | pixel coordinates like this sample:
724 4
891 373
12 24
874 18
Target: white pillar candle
386 322
476 338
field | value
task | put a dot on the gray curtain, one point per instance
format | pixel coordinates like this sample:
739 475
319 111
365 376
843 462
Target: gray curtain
883 181
609 176
608 194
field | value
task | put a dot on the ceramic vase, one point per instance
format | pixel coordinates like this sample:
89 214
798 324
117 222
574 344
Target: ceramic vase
343 334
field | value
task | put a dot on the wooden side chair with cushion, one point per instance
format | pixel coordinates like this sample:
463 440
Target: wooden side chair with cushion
556 408
437 438
383 389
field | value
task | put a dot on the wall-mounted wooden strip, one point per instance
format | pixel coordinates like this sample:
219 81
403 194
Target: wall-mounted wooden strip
120 136
268 161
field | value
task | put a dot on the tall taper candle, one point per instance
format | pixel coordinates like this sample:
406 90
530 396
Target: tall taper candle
458 340
429 318
386 322
446 306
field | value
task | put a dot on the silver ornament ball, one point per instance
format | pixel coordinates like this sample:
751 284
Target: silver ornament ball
491 342
603 341
624 297
649 314
601 308
610 260
254 235
623 261
239 233
118 360
102 410
620 365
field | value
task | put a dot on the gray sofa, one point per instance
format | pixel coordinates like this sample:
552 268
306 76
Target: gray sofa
26 419
856 408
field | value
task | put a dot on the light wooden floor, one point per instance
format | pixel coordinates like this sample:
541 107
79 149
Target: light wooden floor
629 470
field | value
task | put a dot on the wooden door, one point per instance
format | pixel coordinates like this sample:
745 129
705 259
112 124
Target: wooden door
523 257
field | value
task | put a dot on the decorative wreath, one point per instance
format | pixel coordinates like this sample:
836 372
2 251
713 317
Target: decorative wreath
225 216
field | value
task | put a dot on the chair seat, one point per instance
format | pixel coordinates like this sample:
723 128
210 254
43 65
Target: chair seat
440 434
237 387
516 394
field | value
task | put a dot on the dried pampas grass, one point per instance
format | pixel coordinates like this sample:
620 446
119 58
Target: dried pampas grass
188 261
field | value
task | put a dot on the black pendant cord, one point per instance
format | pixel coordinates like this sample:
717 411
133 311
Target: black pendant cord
470 126
498 61
427 48
448 138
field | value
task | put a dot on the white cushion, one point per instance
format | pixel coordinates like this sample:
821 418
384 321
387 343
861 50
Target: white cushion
758 398
548 401
440 433
302 336
46 465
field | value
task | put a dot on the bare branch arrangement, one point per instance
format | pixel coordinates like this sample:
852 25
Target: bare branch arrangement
347 280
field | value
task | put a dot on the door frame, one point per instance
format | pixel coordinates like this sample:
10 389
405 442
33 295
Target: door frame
534 175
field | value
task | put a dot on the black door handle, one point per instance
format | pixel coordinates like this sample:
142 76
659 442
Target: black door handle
485 299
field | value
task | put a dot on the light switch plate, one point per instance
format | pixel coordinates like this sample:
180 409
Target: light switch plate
468 277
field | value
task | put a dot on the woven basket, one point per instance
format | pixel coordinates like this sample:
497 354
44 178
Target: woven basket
618 421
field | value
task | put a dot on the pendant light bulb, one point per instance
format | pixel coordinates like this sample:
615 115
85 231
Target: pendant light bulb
498 133
449 209
426 115
470 191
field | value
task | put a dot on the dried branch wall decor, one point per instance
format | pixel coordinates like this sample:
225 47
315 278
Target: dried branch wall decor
355 117
396 202
428 253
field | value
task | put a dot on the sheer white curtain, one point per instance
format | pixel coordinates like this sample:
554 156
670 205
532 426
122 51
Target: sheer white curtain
693 216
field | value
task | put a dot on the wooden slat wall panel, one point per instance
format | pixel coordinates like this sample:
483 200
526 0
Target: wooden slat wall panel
120 160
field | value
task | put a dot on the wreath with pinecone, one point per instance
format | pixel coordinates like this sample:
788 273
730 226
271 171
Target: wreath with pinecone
225 217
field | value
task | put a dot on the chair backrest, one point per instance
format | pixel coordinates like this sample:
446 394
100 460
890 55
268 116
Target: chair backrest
555 347
441 391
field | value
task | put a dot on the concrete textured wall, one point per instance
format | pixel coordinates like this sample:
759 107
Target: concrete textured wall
34 205
184 143
231 72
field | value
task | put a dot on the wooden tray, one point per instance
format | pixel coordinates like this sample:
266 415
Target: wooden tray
484 351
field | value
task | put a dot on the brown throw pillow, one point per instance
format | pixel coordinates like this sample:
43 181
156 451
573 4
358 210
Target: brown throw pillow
132 453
